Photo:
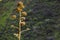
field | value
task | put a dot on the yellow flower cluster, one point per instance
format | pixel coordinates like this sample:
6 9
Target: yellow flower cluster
20 6
23 13
23 18
19 9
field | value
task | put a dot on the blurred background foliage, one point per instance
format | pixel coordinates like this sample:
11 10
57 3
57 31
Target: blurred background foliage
43 19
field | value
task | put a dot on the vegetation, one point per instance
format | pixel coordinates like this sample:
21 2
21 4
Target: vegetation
43 18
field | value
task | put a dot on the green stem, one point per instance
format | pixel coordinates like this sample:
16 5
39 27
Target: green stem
19 26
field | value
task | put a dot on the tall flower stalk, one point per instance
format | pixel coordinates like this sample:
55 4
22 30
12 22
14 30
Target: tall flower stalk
21 18
19 10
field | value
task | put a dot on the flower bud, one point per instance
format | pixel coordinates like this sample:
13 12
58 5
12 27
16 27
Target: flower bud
24 14
18 9
13 16
20 4
22 23
23 18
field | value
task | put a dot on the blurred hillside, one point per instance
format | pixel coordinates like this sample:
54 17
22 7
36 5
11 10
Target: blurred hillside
43 19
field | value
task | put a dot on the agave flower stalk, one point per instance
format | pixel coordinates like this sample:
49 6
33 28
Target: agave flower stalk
20 6
22 15
21 19
19 35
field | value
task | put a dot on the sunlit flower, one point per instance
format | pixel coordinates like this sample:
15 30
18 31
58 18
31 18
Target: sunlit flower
24 14
13 16
22 23
23 18
20 4
18 9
